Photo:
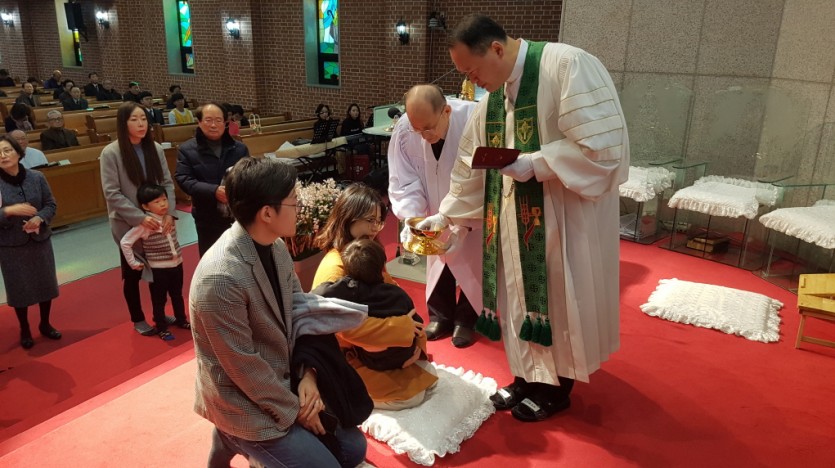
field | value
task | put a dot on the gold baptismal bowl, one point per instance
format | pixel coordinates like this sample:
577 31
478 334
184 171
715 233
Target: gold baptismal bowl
425 241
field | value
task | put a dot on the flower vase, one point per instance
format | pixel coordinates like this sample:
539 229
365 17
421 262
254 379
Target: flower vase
306 269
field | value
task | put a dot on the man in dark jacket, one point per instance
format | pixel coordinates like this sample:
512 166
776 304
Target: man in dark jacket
75 101
107 93
202 163
93 87
56 136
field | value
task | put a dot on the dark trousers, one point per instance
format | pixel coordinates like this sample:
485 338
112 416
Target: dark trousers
168 282
552 392
130 288
443 306
208 234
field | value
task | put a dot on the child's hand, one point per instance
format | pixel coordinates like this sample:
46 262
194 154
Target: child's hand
138 267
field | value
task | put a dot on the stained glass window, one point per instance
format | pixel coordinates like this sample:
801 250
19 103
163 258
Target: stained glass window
328 35
184 21
76 45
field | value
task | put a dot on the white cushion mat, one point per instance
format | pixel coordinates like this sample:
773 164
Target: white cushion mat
813 224
646 182
453 410
767 194
743 313
717 199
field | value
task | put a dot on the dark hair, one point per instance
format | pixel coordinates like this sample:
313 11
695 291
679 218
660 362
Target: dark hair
129 157
352 204
348 111
146 193
477 32
173 87
177 96
23 85
4 72
64 83
143 95
15 145
254 183
90 75
33 80
320 107
198 113
20 110
236 109
364 260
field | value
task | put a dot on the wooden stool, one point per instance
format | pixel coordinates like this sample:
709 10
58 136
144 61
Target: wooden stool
815 298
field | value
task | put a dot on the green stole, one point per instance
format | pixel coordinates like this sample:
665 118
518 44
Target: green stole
528 196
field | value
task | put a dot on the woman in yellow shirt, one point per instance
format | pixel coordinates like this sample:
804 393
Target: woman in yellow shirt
179 114
359 212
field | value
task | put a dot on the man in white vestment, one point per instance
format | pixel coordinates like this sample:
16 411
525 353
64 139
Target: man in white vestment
558 105
422 151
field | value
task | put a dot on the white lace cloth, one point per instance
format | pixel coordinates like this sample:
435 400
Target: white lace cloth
453 410
767 194
645 183
717 199
813 224
743 313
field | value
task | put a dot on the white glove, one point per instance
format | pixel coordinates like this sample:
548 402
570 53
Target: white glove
405 234
521 169
456 238
436 222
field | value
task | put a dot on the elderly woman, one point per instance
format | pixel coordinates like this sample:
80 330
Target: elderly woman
26 258
359 213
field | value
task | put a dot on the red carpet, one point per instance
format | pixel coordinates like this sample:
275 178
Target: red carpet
674 395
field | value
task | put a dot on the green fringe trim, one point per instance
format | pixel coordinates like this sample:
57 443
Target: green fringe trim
481 325
537 330
545 338
495 332
527 328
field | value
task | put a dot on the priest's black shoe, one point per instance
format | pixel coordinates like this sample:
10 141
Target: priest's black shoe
437 330
26 340
49 332
462 336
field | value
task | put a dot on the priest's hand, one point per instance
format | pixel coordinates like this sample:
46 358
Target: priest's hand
436 222
405 234
520 170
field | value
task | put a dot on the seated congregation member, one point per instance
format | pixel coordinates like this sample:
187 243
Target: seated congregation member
5 79
75 102
162 254
27 95
364 261
132 94
62 93
201 164
172 90
27 261
56 136
179 114
107 93
93 87
236 118
352 125
20 117
359 213
32 157
130 161
154 116
54 82
247 312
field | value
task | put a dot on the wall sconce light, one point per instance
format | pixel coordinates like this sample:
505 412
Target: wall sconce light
8 18
102 17
402 32
234 28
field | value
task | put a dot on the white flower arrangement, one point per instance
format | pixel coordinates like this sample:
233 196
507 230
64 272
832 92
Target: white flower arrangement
315 205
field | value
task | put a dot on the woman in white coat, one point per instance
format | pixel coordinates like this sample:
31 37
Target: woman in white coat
422 151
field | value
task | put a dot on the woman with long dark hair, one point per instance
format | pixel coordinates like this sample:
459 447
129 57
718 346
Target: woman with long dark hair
26 257
130 161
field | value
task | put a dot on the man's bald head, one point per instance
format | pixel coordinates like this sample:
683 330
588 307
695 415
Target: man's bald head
426 94
20 137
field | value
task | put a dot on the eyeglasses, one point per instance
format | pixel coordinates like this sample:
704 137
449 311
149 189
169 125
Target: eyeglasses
428 132
298 205
56 119
379 223
8 151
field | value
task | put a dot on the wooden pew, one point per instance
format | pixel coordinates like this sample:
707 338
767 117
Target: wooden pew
287 125
83 140
269 142
77 186
174 134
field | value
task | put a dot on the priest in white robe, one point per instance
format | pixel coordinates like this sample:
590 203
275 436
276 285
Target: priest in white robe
567 101
422 152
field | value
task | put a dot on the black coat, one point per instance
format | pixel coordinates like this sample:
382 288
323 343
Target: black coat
199 173
71 105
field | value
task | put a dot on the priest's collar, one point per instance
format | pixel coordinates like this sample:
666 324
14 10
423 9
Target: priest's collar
519 66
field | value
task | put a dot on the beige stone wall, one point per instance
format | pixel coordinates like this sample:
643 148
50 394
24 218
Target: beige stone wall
746 85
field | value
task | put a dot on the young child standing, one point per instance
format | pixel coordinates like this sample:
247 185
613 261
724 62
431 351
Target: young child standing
164 257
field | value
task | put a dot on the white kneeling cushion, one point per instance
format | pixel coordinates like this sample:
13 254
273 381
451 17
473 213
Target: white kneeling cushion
813 224
717 199
645 183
